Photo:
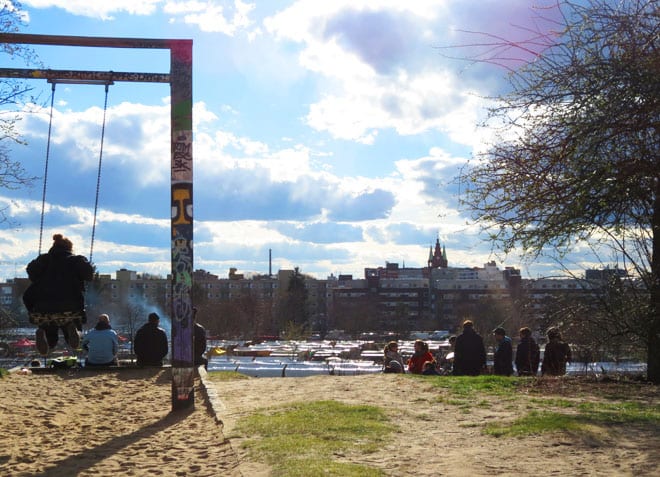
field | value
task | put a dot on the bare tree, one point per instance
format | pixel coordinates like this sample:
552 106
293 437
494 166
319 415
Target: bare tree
578 161
12 95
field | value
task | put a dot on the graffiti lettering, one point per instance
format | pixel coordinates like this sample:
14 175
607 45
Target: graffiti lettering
182 155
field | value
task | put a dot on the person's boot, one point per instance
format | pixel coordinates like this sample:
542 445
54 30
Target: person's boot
72 335
42 342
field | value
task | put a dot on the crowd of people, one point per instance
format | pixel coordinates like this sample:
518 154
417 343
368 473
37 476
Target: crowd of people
466 355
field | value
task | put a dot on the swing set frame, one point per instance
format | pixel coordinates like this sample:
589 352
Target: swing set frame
180 81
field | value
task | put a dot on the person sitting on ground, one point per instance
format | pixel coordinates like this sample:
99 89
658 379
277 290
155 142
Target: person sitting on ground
150 343
431 369
470 353
58 285
446 363
503 356
101 344
392 362
528 354
199 343
420 356
556 355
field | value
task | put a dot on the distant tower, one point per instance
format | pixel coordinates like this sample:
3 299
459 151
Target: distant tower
270 262
437 257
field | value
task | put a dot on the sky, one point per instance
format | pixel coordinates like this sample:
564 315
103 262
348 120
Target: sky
330 133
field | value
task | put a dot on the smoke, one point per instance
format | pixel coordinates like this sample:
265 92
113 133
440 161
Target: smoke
146 307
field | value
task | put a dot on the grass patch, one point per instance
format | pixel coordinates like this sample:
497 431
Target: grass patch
629 412
226 376
551 402
3 372
303 438
589 410
460 403
468 386
590 415
536 422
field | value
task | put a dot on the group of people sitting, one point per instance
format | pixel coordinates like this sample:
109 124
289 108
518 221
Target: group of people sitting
150 344
467 355
102 343
55 301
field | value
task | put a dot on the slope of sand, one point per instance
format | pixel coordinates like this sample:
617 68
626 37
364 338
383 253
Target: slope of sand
119 423
109 423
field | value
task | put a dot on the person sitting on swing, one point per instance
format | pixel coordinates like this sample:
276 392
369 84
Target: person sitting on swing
55 298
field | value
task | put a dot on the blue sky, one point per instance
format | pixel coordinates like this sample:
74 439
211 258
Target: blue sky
330 132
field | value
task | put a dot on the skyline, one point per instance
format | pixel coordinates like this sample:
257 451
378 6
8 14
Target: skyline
328 133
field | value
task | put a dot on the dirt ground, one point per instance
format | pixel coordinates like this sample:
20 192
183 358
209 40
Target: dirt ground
86 423
435 438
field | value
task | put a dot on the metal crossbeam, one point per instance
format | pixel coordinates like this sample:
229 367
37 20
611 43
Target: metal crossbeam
78 76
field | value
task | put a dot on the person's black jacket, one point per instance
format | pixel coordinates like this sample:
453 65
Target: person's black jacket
199 344
58 282
150 345
555 356
469 354
503 358
528 356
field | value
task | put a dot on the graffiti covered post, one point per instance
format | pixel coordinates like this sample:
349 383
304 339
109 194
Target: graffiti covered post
183 372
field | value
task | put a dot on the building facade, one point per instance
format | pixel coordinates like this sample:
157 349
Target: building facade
390 298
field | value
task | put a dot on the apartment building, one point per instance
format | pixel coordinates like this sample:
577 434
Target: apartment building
390 297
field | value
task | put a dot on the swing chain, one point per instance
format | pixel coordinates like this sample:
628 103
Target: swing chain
43 195
98 176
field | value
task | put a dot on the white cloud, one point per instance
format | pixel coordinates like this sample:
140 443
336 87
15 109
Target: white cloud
137 137
212 16
98 9
378 86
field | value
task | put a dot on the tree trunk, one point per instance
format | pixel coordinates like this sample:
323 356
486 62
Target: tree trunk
653 342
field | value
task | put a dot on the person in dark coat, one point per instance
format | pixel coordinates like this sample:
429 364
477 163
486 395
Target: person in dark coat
199 343
503 356
150 343
58 286
528 354
556 355
470 353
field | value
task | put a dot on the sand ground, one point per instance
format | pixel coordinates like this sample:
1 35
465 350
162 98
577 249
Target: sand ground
116 423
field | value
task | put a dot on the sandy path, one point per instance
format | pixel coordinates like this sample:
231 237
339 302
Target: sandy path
106 424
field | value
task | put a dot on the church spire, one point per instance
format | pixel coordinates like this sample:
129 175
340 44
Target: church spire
437 257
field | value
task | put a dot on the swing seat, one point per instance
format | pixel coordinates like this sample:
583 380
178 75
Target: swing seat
60 318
